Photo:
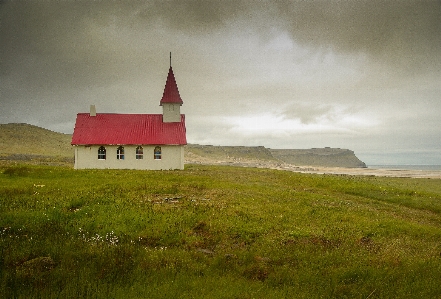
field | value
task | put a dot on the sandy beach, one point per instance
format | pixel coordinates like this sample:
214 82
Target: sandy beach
432 174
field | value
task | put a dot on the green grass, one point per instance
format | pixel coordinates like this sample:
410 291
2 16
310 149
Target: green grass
216 232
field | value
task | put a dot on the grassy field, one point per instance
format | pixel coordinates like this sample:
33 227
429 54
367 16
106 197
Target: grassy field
216 232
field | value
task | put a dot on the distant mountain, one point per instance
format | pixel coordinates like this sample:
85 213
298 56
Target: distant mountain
32 143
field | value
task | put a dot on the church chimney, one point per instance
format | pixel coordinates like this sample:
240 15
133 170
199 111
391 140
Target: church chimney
92 110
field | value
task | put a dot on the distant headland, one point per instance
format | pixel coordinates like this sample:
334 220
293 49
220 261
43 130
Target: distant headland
323 157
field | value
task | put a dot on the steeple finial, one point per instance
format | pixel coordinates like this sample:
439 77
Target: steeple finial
170 59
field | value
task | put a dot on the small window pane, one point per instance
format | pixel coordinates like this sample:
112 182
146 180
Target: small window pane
120 153
139 153
102 153
157 153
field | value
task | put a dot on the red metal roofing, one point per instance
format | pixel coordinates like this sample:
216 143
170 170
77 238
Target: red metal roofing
171 92
109 128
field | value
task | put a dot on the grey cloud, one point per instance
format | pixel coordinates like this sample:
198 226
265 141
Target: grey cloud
308 113
404 33
197 16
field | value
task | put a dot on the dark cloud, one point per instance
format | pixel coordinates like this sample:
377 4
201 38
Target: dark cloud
404 33
57 42
44 37
197 16
68 51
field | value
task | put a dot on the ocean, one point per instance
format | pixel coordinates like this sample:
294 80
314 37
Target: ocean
407 167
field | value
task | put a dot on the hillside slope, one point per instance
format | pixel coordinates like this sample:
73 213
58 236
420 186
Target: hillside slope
219 154
26 142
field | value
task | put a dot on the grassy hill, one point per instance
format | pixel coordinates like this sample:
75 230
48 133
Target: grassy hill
28 142
216 232
31 143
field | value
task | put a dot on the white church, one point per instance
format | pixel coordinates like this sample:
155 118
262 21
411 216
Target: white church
133 141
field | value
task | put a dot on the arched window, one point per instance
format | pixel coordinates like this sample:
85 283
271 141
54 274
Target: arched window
120 153
102 153
139 153
157 153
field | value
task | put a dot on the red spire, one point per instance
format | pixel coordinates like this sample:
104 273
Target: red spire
171 92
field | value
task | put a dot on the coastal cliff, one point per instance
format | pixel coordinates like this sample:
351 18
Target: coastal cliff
325 157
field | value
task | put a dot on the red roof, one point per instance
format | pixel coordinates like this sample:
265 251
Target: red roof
142 129
171 92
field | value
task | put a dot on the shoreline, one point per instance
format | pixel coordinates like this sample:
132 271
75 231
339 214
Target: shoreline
383 172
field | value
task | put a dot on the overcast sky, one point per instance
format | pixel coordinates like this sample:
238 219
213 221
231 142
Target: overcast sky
363 75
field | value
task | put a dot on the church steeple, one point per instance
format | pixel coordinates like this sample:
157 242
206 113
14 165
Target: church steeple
171 92
171 100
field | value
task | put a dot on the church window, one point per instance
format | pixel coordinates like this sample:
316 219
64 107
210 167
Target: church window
102 153
139 153
157 153
120 153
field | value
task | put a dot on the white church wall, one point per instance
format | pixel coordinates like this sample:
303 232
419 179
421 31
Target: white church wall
172 157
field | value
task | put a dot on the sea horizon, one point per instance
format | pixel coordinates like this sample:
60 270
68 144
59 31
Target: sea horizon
406 166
